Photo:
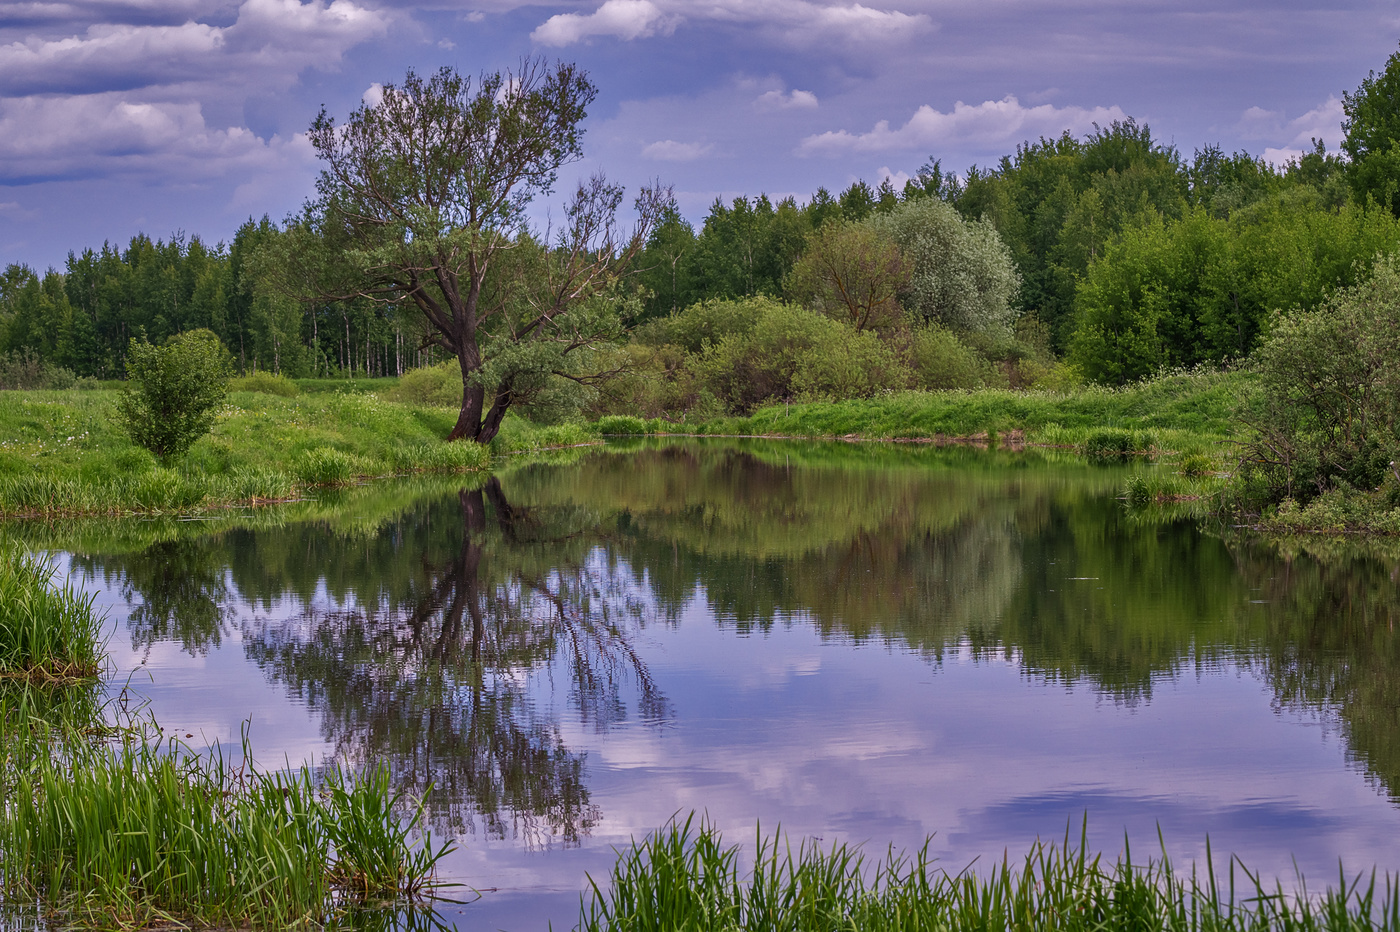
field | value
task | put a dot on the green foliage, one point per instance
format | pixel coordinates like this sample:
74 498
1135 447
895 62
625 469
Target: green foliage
47 632
438 386
1192 407
1196 466
1325 409
1372 140
173 391
266 383
1201 289
704 322
850 272
793 353
963 276
25 369
442 457
940 361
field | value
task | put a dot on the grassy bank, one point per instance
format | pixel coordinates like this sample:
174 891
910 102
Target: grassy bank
48 632
144 834
105 825
63 454
1182 411
685 877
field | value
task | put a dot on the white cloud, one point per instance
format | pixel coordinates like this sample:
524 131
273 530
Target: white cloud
271 41
668 150
106 134
373 94
797 21
990 124
1294 137
624 19
898 179
777 100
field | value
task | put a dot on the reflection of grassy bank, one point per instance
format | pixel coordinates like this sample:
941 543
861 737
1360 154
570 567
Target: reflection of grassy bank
679 878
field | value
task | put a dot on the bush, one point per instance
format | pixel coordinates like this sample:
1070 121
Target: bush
1325 409
266 383
173 391
792 353
941 361
25 370
705 322
438 386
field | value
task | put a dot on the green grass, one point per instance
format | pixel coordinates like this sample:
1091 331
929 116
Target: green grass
684 878
63 454
1185 410
48 632
147 833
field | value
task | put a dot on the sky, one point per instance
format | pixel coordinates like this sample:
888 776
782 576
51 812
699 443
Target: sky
190 116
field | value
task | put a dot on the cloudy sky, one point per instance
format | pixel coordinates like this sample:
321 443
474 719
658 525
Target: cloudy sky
118 116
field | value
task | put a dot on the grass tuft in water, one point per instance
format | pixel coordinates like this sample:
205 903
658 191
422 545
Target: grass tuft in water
48 632
146 833
683 877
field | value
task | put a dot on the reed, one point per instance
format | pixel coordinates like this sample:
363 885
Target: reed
147 833
48 632
683 877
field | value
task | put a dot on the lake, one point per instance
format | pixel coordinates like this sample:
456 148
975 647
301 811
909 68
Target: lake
859 643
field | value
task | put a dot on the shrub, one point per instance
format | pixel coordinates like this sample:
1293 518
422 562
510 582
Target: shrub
438 386
1325 409
24 369
705 322
173 391
940 360
266 383
793 353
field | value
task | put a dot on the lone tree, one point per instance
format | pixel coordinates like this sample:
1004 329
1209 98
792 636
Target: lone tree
422 200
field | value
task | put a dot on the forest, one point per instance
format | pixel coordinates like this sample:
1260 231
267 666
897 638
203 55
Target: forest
1104 258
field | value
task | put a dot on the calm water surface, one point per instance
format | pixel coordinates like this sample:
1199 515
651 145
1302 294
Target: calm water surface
860 644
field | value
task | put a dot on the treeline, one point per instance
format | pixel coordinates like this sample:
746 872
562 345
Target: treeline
80 320
1134 256
1113 252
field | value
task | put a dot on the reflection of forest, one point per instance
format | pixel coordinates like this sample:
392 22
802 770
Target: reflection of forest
416 637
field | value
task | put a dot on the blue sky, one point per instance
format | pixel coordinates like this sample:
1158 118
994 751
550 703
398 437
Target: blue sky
119 116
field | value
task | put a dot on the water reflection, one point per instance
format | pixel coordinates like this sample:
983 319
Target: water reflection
463 638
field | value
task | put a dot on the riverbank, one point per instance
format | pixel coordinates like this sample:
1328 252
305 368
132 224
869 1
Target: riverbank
63 454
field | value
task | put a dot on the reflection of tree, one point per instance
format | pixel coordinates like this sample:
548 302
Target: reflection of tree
439 685
179 591
436 629
1329 641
